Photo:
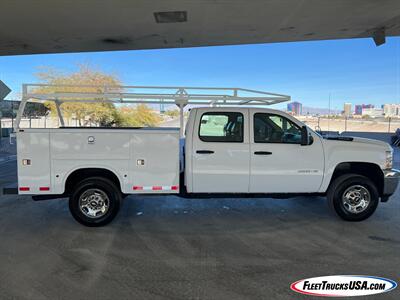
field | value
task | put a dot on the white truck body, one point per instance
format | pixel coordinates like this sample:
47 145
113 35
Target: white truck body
228 150
147 160
143 160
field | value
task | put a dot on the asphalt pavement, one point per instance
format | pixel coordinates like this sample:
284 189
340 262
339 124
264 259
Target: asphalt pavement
172 248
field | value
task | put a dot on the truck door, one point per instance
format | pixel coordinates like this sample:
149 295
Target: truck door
279 164
220 159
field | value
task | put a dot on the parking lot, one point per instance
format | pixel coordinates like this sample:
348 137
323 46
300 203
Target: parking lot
167 247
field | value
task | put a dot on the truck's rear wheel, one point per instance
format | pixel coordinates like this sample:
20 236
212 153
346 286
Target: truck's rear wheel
95 201
353 197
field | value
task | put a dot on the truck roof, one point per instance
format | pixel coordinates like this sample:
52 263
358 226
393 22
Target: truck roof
240 108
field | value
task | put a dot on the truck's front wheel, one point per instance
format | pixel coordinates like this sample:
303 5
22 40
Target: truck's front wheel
95 201
353 197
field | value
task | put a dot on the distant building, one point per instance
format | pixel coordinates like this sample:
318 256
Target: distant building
391 110
347 109
359 108
373 112
295 108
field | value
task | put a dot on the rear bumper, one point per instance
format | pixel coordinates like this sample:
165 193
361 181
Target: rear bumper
390 183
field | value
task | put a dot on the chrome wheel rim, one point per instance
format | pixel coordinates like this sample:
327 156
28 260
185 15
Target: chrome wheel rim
356 199
94 203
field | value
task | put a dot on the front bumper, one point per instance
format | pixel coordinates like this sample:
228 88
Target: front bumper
390 183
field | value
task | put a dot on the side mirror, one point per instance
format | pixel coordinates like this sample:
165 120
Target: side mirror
305 137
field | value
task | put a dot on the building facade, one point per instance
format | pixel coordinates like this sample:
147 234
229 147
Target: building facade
359 108
347 110
372 112
295 108
391 110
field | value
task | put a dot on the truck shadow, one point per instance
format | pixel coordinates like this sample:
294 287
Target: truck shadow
177 205
259 212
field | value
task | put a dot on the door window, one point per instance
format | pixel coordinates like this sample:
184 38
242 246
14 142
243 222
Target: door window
271 128
221 127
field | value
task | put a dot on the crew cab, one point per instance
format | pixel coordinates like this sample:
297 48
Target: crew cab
227 151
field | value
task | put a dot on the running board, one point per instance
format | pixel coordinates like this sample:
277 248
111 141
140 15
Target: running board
48 197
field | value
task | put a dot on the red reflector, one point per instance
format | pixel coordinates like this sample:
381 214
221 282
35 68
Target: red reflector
24 188
157 188
174 187
137 188
44 188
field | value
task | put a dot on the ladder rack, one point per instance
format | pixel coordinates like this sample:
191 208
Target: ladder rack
167 95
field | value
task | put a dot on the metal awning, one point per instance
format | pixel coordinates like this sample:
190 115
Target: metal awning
62 26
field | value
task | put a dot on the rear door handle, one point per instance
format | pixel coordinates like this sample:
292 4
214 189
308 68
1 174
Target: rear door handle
204 152
262 153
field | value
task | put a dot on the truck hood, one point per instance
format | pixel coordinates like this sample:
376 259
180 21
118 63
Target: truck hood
361 141
371 142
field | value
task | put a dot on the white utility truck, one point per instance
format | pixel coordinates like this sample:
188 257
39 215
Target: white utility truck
227 151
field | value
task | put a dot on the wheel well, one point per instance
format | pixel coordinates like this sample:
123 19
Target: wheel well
80 174
369 170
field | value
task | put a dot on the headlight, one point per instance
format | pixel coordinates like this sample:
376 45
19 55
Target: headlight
389 160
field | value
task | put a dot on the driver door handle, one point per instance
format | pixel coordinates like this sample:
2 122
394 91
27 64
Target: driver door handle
204 152
262 153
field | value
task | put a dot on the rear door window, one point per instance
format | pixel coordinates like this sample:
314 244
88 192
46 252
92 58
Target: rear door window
221 127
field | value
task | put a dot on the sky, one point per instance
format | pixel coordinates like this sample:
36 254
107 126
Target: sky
354 71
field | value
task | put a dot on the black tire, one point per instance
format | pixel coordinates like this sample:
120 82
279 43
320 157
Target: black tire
341 185
104 187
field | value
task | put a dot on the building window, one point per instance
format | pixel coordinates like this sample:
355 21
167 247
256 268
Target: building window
221 127
270 128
